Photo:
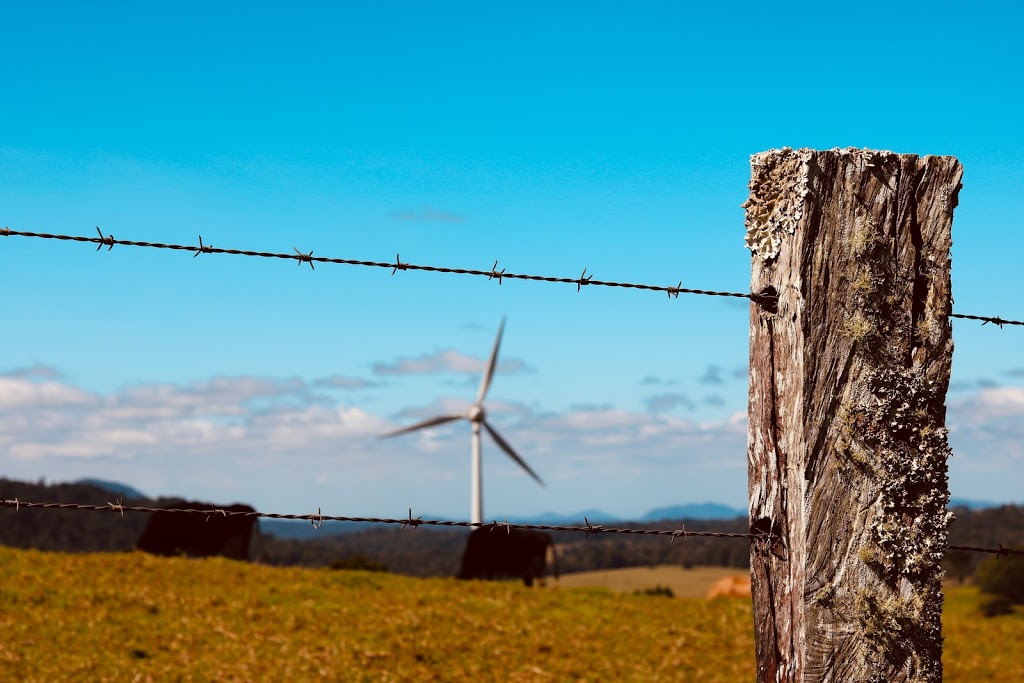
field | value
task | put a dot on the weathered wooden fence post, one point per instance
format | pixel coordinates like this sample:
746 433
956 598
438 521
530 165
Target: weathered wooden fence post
850 354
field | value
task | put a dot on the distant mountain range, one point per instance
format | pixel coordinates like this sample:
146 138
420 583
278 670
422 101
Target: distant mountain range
114 487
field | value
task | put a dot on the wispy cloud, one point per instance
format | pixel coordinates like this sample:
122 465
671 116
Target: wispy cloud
712 375
427 214
37 371
343 382
445 361
970 385
667 401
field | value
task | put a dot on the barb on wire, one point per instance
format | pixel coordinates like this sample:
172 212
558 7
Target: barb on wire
494 272
109 240
205 249
303 258
998 552
211 513
412 522
995 320
119 506
584 279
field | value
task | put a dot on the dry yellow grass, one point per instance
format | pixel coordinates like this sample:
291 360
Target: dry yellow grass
135 617
132 617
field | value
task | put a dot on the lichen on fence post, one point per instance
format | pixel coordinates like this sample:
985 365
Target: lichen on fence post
850 352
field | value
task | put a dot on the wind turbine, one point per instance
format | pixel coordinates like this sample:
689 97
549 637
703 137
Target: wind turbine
476 417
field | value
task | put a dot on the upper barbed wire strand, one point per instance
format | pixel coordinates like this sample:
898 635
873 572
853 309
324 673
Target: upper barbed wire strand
672 291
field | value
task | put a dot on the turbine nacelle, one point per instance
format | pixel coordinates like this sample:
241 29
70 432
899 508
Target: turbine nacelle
475 414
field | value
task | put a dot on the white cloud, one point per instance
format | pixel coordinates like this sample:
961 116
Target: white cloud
271 441
986 431
36 371
445 360
343 382
21 393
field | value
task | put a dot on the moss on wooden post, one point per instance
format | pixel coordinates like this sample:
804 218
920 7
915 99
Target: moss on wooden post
847 443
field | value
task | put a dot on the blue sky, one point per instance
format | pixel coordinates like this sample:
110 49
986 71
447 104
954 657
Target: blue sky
549 138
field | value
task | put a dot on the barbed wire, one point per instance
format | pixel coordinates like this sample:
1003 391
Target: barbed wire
307 257
997 321
998 552
301 257
317 519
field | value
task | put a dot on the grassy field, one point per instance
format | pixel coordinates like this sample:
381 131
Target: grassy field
133 617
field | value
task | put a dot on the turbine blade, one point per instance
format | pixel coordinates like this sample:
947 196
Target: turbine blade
434 421
485 383
511 453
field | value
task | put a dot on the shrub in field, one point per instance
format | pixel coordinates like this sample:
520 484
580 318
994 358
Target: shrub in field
996 607
1002 577
360 562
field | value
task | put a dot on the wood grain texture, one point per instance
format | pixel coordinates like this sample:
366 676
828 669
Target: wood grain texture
847 445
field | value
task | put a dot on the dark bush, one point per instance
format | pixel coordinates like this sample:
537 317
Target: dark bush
664 591
359 562
958 564
996 607
1002 577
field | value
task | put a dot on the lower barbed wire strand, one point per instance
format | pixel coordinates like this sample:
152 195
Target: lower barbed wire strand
318 518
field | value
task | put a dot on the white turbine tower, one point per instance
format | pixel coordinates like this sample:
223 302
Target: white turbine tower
476 417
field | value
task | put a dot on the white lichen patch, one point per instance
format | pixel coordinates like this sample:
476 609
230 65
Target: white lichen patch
778 190
910 528
868 157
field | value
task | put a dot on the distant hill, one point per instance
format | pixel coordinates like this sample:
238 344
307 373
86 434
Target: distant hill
300 530
562 519
113 486
972 504
695 511
67 530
